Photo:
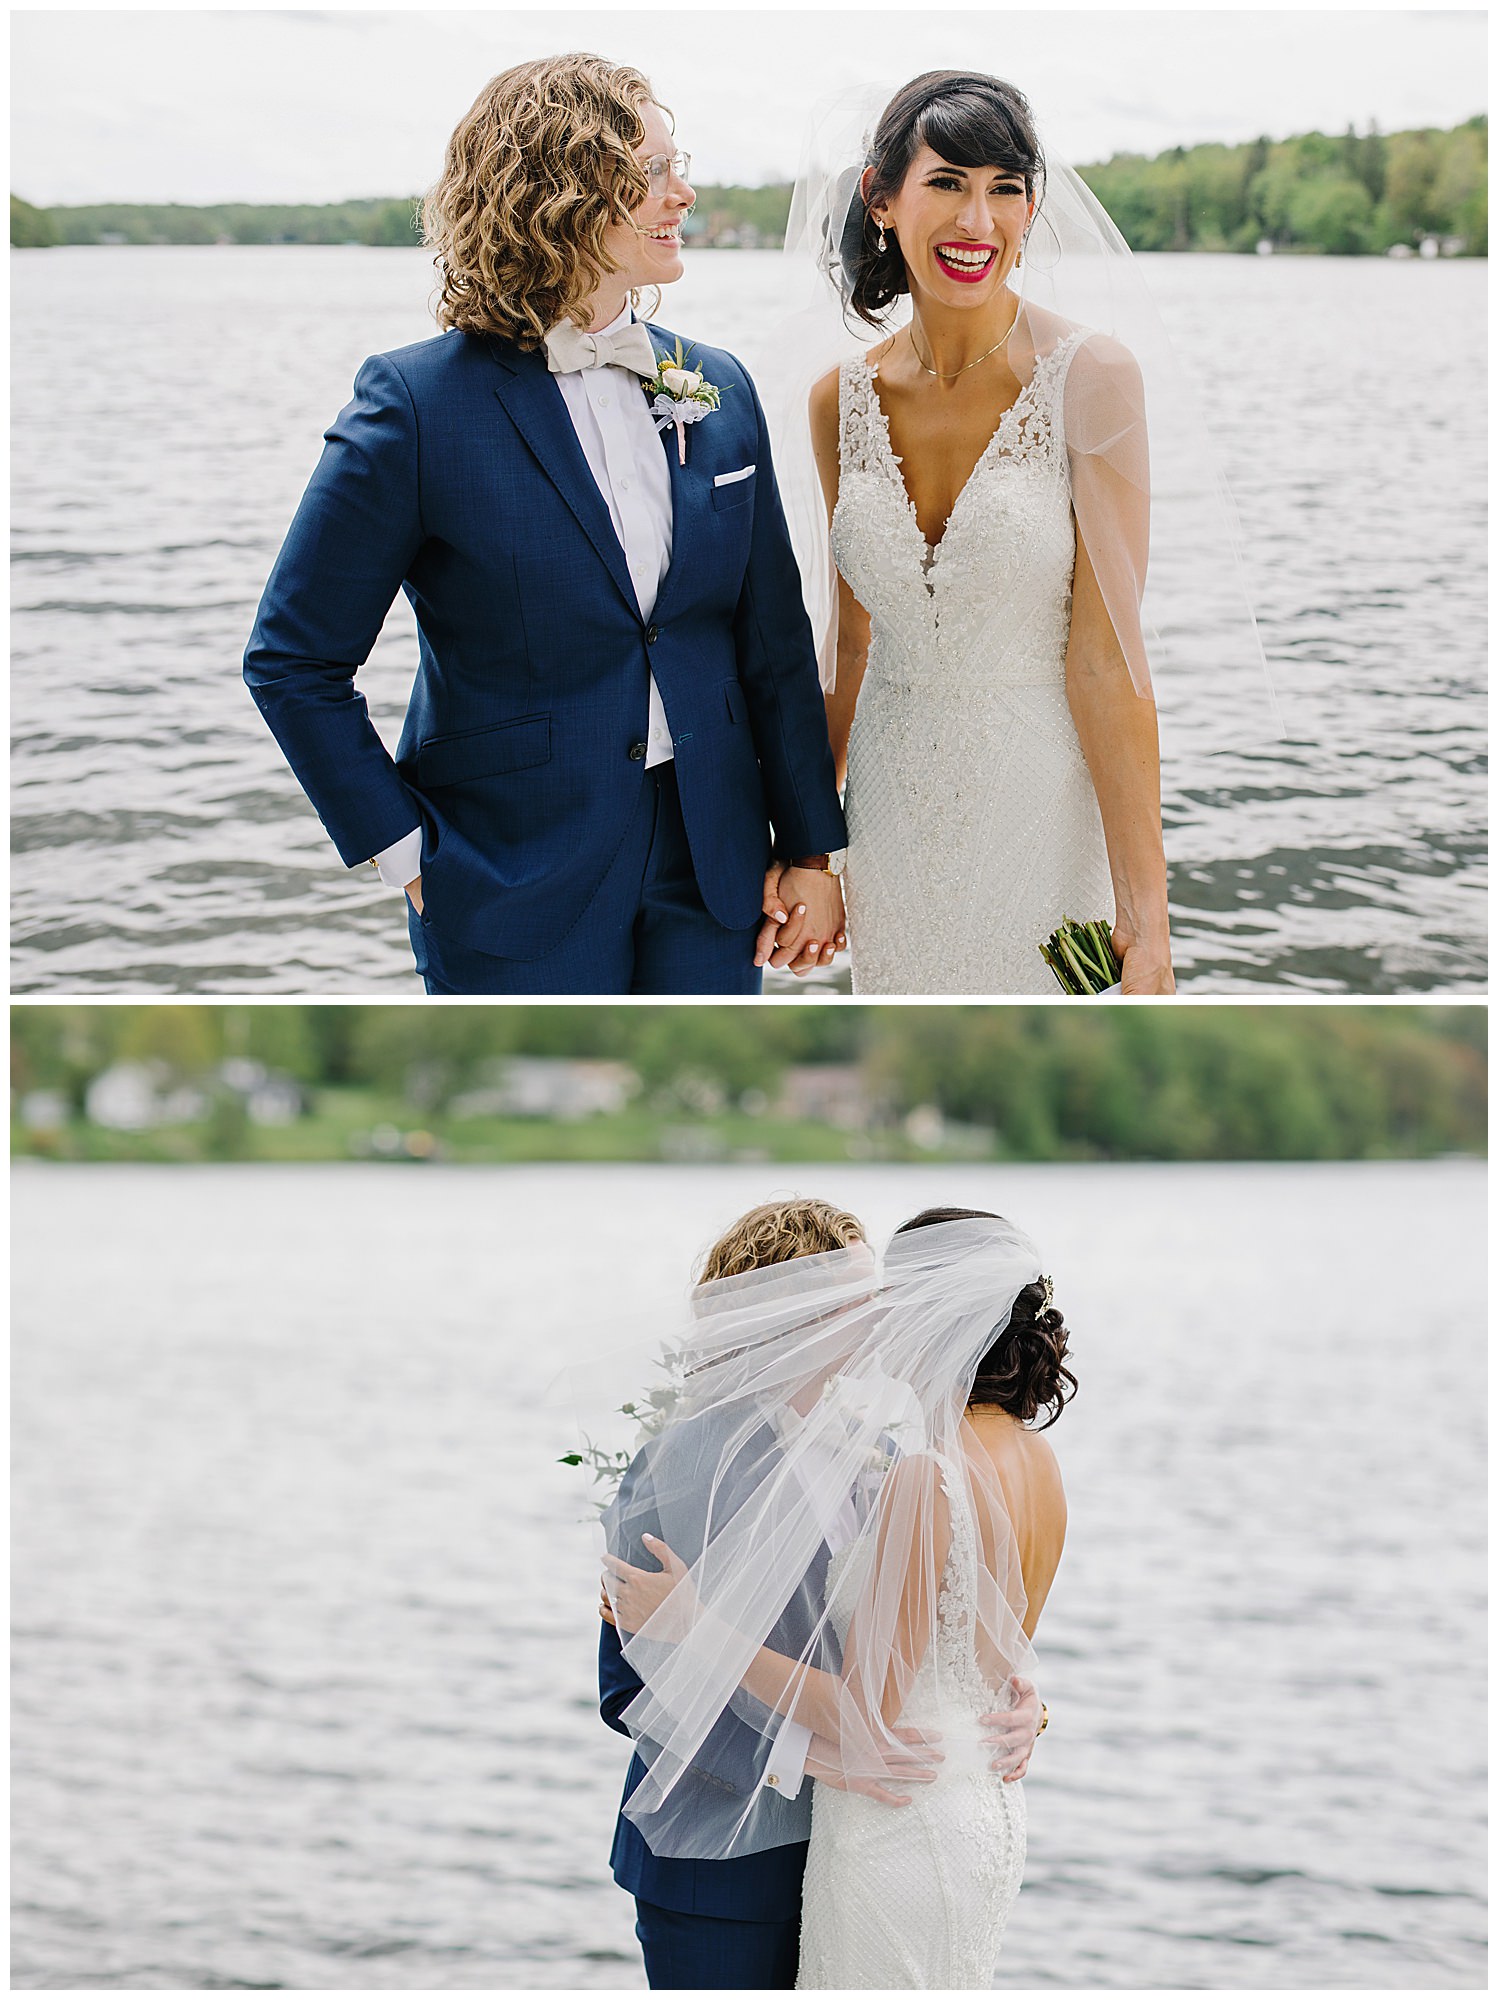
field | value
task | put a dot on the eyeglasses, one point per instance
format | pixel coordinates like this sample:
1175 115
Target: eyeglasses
659 170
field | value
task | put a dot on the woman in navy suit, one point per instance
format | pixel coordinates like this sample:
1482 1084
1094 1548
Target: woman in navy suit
614 774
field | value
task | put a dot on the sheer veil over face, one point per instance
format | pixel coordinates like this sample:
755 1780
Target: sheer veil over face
808 1464
1141 465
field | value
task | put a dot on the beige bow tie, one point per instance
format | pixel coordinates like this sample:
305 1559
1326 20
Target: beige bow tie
569 349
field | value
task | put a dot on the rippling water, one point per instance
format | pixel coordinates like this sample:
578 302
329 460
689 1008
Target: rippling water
164 846
304 1618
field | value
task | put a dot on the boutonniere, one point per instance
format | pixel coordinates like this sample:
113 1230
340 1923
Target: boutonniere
680 395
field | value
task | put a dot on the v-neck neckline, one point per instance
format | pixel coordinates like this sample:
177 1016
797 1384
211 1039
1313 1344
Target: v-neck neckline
895 464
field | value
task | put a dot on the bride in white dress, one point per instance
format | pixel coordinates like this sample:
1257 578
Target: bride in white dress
921 1396
920 1899
985 475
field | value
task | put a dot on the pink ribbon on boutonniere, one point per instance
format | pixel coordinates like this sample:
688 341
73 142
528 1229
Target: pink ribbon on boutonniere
680 396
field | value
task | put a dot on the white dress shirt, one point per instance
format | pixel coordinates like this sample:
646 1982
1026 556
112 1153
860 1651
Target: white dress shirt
617 433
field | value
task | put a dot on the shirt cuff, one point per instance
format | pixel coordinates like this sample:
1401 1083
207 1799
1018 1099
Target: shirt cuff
787 1763
401 863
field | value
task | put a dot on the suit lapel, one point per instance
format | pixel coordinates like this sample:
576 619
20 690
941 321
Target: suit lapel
687 490
528 392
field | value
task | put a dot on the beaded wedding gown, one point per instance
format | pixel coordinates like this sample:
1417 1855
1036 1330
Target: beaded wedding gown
918 1897
973 827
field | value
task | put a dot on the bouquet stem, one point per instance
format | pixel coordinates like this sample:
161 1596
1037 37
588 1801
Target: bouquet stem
1082 957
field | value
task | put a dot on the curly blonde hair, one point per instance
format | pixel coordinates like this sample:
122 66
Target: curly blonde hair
535 173
775 1232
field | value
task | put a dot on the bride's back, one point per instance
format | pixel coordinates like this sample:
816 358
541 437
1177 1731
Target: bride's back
1030 1480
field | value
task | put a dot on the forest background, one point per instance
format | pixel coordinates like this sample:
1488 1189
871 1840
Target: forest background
1355 194
1080 1082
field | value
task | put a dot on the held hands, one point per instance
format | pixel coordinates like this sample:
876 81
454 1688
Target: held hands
1016 1730
805 925
638 1594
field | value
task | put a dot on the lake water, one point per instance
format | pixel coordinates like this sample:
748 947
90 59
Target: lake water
168 409
304 1627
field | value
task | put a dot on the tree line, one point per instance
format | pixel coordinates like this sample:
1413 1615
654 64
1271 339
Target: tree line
1353 194
1357 193
1062 1081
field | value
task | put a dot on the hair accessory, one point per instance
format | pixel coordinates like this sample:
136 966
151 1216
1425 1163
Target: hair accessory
1047 1293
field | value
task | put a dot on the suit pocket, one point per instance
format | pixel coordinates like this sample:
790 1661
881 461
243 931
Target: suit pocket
484 753
738 493
738 708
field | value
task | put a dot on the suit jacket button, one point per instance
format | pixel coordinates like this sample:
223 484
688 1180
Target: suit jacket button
652 633
637 752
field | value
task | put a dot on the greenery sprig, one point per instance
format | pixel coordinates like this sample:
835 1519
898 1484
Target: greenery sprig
607 1468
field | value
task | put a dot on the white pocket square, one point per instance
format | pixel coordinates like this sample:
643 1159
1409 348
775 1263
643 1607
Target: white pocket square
733 478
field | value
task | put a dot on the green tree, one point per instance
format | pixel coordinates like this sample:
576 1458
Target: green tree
707 1045
30 228
1372 167
1332 215
1459 196
188 1039
1410 187
395 224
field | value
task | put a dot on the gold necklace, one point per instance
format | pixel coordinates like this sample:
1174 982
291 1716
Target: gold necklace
952 376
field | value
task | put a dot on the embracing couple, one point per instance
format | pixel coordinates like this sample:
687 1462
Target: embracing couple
825 1563
618 771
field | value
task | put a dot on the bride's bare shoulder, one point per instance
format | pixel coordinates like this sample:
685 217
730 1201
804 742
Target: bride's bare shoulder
1045 1467
1010 1445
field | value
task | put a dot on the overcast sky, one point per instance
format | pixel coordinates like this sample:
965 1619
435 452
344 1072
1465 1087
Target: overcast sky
331 104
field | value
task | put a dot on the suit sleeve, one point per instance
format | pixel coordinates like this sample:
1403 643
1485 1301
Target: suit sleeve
777 662
350 546
733 1749
618 1683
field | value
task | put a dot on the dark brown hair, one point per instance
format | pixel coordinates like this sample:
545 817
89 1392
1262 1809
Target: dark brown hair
970 119
1024 1371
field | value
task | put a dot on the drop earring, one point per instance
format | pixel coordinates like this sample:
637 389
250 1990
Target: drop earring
881 239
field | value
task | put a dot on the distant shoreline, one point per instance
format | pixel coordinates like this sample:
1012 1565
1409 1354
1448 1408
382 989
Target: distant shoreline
1413 193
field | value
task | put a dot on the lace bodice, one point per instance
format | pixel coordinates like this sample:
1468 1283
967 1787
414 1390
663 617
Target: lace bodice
973 825
1008 540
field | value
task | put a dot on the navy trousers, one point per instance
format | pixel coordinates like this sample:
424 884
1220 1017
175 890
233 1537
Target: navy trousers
721 1954
647 929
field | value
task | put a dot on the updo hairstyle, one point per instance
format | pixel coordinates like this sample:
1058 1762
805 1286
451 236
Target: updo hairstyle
1024 1371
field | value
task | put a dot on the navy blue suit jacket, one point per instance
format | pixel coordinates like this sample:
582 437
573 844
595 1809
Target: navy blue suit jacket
455 474
756 1888
762 1887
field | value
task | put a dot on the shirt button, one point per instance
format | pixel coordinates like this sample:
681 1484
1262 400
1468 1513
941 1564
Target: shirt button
605 402
637 752
772 1779
623 485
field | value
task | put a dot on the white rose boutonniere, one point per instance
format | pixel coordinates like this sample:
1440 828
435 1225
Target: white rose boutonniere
680 395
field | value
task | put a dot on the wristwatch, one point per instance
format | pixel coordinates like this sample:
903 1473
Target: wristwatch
826 864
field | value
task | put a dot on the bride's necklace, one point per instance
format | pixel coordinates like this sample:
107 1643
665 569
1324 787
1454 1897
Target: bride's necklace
955 372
